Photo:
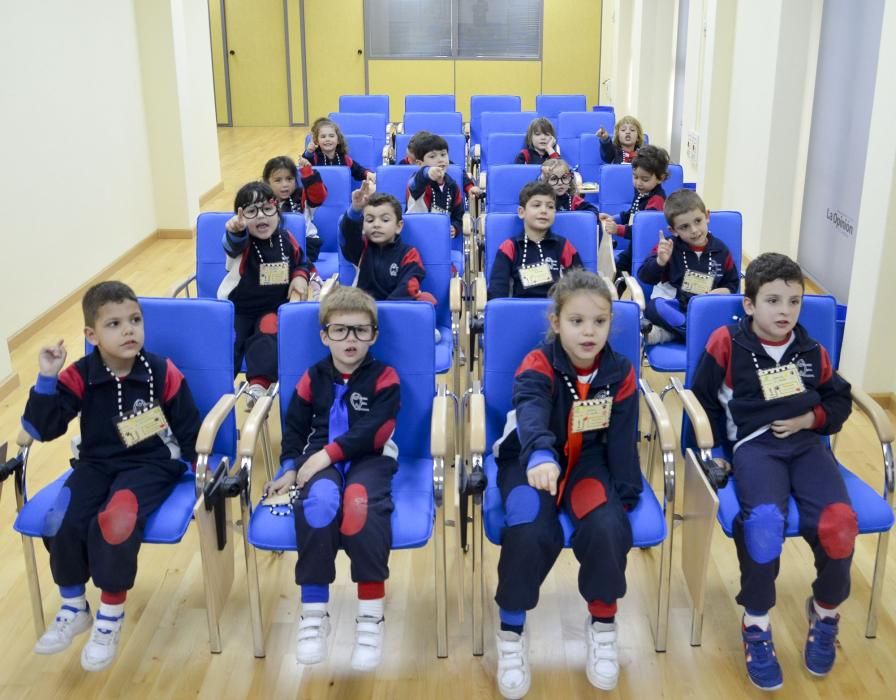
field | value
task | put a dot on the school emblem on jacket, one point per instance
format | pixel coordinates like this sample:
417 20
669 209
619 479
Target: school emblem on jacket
806 370
551 262
393 269
358 402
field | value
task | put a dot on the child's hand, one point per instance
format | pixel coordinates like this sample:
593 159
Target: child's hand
303 163
603 216
475 191
791 426
544 477
51 359
720 290
298 289
436 173
281 485
602 134
361 195
609 226
454 232
552 146
236 223
312 145
663 250
319 461
371 178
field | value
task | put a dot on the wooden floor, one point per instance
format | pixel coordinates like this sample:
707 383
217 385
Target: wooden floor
164 651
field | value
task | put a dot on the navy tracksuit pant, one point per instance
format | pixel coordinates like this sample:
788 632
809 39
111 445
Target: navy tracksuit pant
256 341
768 470
532 536
668 314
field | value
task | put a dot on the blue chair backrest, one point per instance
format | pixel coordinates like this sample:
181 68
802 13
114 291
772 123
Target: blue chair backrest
371 123
579 227
367 152
369 104
210 255
616 189
393 179
571 125
406 342
504 123
550 106
338 180
457 147
197 334
489 103
504 184
436 122
514 327
590 162
429 103
501 149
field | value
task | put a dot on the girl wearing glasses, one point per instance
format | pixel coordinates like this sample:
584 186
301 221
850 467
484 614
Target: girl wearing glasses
266 267
557 174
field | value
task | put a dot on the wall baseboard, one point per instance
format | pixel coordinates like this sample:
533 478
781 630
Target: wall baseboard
174 233
213 192
886 401
8 385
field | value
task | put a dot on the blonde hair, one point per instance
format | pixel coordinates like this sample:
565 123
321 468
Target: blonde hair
541 125
629 119
552 165
347 300
573 282
341 145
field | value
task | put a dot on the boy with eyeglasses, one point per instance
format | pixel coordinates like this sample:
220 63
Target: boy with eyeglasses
336 470
266 267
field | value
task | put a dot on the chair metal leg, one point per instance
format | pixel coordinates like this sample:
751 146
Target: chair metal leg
37 605
877 581
665 580
252 578
441 581
478 579
268 455
697 626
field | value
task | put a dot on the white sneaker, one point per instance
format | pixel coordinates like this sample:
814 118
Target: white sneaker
368 650
100 651
658 335
514 677
253 393
311 639
602 665
69 623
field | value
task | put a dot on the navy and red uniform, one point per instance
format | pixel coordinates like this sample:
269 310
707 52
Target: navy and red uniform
574 202
713 258
468 183
654 200
425 195
611 153
529 156
317 157
390 271
769 470
311 194
95 527
348 504
505 280
255 305
600 478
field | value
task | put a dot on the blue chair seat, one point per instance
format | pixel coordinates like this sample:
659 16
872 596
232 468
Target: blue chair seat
327 264
667 357
167 525
444 350
647 519
873 513
411 524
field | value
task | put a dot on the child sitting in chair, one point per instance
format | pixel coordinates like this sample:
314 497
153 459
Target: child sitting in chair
432 189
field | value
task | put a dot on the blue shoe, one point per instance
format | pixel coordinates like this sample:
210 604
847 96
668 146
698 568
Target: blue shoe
821 643
762 663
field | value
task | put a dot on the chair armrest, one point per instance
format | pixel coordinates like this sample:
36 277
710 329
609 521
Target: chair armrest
606 260
438 436
480 294
483 176
387 154
252 427
212 423
181 286
399 128
23 439
467 224
467 129
614 293
696 414
634 289
392 128
578 176
328 286
660 416
455 295
877 415
476 431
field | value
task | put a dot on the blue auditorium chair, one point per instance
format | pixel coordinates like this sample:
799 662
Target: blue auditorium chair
571 126
489 103
505 183
367 152
367 104
429 103
371 123
550 106
501 149
502 123
435 122
457 147
338 180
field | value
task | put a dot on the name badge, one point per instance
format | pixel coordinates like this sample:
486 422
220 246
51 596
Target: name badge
593 414
781 381
535 275
134 428
697 282
273 273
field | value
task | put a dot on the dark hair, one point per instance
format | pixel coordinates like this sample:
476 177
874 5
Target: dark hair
530 189
278 163
542 125
769 267
253 193
654 160
104 293
681 202
377 199
572 282
427 143
341 145
415 139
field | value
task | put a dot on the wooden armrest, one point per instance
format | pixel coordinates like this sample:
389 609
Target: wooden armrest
391 127
660 417
180 286
698 417
467 129
606 261
467 224
476 430
212 423
614 293
483 176
455 295
328 286
480 294
387 154
251 428
589 187
877 415
23 439
438 436
578 176
634 289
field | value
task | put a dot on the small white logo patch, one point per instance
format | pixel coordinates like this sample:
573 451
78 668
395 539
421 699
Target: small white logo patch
359 403
393 269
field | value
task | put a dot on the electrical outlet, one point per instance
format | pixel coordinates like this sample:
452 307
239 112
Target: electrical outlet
693 146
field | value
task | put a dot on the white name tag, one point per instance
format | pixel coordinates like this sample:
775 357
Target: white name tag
273 273
535 275
781 381
697 282
137 427
593 414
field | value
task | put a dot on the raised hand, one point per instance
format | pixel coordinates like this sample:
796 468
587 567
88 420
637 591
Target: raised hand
663 250
602 134
361 195
51 359
436 173
236 223
303 162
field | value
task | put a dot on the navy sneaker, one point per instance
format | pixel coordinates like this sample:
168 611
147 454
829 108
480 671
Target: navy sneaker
762 663
821 643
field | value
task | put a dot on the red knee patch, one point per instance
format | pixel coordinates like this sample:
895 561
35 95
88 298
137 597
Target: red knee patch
268 324
354 509
587 495
837 530
118 518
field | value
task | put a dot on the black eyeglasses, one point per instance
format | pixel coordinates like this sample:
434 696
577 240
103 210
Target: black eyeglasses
557 179
339 331
268 209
